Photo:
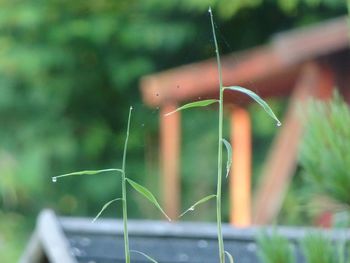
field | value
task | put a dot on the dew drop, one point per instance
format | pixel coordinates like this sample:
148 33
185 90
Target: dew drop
131 108
279 124
54 179
209 10
191 208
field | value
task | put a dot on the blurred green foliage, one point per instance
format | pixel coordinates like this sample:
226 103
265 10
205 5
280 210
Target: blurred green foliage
318 249
324 152
69 70
322 181
274 248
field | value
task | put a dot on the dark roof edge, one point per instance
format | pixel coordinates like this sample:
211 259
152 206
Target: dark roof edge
188 229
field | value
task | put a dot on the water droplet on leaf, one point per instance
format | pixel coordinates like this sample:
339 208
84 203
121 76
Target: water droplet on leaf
279 124
54 179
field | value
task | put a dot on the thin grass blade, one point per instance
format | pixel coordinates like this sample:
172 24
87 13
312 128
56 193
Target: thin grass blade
229 156
105 207
230 258
145 255
146 193
88 172
201 103
201 201
259 100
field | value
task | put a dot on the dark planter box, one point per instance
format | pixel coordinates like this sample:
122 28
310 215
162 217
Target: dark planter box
102 242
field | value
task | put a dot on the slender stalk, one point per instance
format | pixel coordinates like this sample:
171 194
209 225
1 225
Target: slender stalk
125 209
219 179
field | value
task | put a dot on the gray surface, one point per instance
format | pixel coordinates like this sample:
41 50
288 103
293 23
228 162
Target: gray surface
194 242
68 240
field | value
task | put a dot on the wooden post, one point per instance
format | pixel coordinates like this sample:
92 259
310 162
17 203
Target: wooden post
170 131
240 178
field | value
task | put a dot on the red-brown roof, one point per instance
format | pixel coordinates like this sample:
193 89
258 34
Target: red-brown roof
269 70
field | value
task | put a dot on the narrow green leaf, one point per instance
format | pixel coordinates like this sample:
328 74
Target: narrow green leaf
259 100
204 199
229 156
104 208
230 258
89 172
146 193
145 255
201 103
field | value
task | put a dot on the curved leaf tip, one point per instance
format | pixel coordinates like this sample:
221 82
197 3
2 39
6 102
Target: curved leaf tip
87 172
146 193
201 103
259 100
229 156
201 201
105 207
145 255
230 258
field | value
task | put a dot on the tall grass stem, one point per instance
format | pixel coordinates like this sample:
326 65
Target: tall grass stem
219 179
125 208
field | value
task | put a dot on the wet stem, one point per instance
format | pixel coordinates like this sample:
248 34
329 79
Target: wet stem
220 138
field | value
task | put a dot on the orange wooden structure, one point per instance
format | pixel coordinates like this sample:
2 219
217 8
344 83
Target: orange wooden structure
299 64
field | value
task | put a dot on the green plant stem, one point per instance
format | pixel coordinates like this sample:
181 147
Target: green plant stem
125 209
219 179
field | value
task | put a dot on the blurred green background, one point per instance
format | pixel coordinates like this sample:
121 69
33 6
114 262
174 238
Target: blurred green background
69 71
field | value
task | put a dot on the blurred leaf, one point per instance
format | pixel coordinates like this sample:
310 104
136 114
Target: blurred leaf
90 172
146 193
201 103
201 201
229 257
143 254
229 156
105 206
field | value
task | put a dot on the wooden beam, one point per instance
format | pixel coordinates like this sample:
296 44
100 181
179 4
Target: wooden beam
170 130
280 165
285 53
240 178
